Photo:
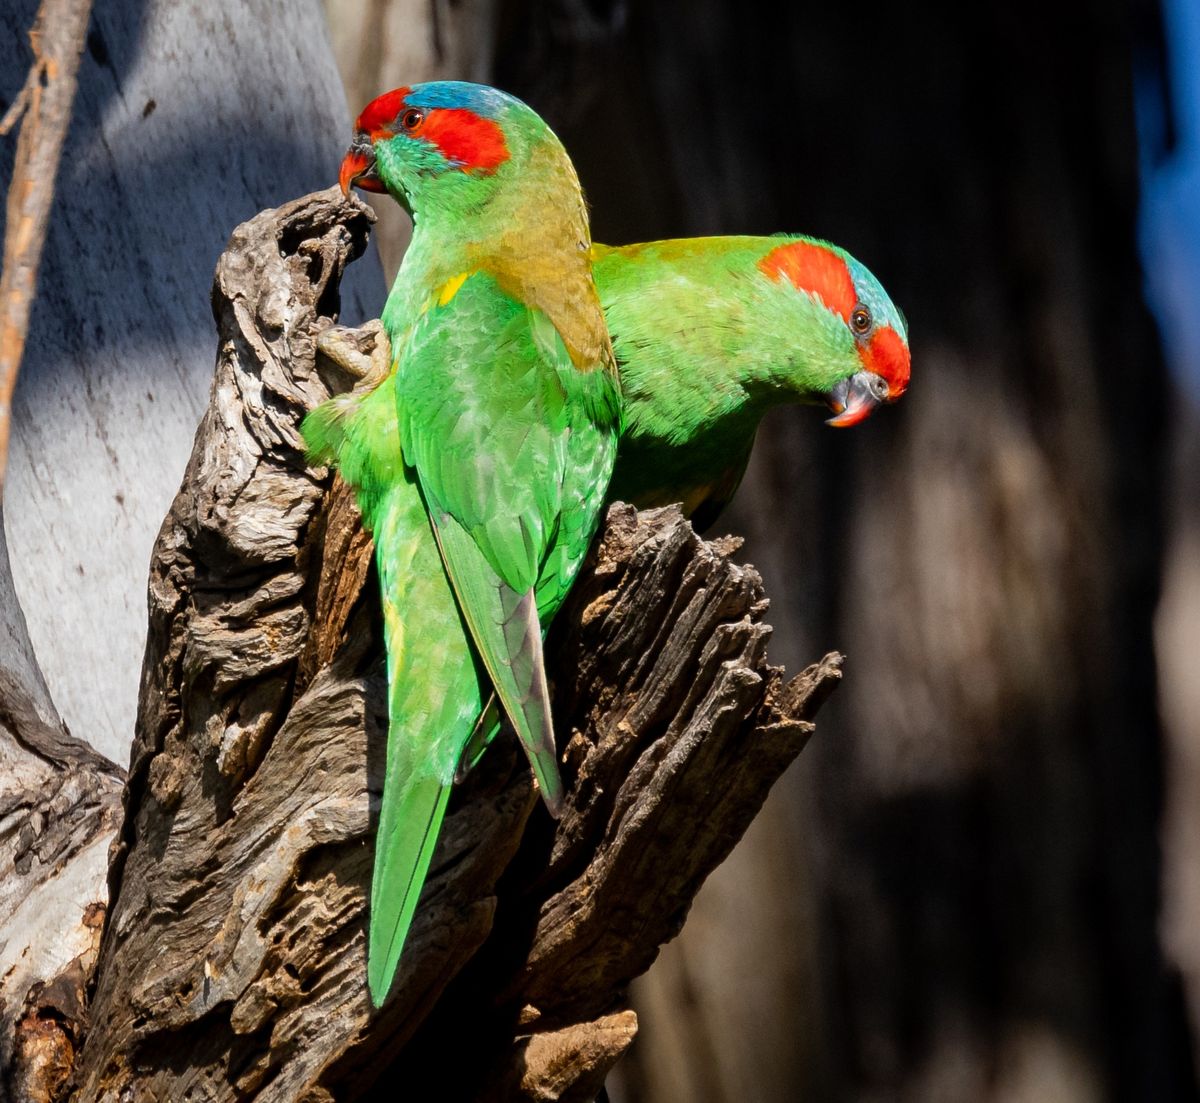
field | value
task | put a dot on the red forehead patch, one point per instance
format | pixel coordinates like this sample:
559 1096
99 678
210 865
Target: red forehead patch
469 141
816 270
887 355
381 112
464 138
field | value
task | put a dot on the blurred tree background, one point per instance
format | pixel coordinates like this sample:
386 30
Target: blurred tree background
958 893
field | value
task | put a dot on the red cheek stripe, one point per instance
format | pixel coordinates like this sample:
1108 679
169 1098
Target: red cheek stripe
815 270
381 112
469 140
887 355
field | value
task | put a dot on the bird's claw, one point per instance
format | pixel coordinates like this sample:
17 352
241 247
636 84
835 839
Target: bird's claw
356 359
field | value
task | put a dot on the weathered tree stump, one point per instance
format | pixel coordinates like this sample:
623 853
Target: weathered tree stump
233 961
59 810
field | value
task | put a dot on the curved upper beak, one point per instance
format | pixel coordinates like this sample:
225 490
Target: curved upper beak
358 167
853 399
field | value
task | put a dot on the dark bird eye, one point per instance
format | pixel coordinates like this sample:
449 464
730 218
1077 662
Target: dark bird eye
860 320
412 118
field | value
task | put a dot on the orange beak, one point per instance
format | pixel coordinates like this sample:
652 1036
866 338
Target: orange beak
358 167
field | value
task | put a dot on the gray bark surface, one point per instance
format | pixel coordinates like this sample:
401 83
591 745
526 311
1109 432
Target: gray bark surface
59 810
233 964
189 117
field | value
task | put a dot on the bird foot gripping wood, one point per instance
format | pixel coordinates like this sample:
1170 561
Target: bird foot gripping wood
353 358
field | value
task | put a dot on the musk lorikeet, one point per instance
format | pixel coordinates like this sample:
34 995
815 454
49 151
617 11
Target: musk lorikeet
507 403
709 334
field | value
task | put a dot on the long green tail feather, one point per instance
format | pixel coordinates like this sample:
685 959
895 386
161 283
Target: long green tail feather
434 697
409 824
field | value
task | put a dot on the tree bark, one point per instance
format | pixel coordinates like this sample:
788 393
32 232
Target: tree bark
233 960
189 117
59 809
43 111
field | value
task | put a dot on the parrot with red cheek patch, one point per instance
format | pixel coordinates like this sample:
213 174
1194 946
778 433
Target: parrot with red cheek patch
506 401
710 333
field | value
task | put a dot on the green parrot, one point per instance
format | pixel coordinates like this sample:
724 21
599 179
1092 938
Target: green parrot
507 405
709 334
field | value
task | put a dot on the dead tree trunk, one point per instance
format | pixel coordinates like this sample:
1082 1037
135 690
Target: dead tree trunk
59 809
233 963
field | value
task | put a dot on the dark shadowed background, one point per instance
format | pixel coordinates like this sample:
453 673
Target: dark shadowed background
958 892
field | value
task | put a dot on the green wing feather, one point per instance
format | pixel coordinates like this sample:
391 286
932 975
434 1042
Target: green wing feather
491 418
505 625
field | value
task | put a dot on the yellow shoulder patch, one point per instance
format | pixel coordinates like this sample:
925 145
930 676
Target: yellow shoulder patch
447 291
451 288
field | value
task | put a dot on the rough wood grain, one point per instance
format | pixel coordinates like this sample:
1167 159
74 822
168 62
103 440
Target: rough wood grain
233 964
59 809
